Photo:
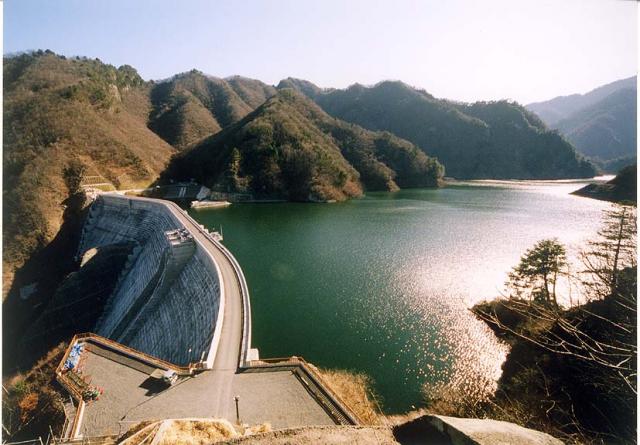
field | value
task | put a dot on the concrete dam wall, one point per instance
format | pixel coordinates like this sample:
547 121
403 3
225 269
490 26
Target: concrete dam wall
167 298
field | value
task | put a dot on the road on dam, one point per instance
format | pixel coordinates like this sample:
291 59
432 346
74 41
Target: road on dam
229 351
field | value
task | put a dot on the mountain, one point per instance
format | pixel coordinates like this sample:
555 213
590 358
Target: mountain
191 106
303 86
606 129
288 148
601 124
498 140
77 122
561 107
622 188
68 117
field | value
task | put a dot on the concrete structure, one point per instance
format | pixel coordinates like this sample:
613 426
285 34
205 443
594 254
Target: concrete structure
488 432
166 285
182 304
283 395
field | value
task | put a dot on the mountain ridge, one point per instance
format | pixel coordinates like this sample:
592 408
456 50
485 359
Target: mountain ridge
601 124
515 145
560 107
114 130
289 148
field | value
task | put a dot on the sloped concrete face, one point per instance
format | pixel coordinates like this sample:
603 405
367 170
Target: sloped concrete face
165 303
462 431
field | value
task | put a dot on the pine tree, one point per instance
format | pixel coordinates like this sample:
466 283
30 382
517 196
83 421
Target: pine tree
536 275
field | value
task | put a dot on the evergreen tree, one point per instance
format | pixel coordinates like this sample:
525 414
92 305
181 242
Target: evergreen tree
536 275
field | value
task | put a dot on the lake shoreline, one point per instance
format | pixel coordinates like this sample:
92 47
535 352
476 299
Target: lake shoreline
390 277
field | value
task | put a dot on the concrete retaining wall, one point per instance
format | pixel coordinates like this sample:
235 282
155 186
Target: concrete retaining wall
174 320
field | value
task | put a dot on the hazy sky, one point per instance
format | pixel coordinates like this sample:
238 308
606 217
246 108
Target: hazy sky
465 50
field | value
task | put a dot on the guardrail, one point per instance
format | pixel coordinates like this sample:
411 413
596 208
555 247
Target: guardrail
123 349
246 303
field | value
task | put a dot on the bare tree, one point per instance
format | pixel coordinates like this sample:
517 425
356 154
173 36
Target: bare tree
598 338
611 252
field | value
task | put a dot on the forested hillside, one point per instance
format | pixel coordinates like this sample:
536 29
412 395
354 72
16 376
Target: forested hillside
621 189
498 140
290 149
74 122
66 122
605 130
191 106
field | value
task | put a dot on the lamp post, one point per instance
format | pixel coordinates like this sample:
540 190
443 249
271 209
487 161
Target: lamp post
237 399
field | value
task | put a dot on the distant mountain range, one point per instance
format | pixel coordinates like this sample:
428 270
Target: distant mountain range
295 141
601 124
496 140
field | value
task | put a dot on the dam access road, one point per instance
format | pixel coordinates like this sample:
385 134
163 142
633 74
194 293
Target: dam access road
284 393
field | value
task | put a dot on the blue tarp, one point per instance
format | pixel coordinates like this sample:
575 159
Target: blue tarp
74 356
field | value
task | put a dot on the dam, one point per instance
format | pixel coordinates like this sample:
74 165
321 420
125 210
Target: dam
167 282
180 306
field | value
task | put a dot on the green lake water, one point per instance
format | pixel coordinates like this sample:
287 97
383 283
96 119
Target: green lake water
381 285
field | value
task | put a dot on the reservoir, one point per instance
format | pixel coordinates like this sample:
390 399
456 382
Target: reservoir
382 285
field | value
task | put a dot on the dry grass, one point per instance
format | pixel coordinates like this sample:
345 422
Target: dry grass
32 401
257 429
188 432
197 432
355 389
129 438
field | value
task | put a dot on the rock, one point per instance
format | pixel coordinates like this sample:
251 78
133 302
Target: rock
488 432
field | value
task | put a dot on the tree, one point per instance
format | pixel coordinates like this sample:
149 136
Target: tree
611 252
233 171
536 275
584 356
